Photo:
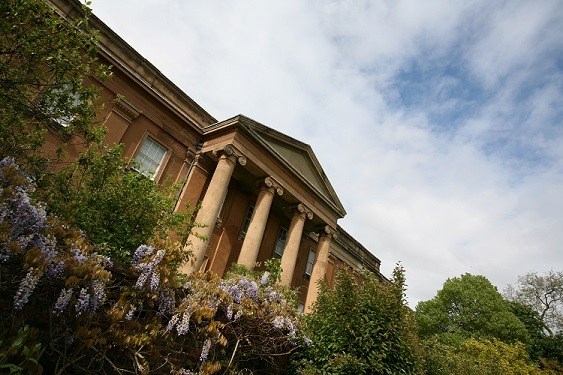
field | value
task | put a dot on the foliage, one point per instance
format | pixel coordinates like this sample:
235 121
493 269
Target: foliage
471 307
117 208
534 326
20 356
360 327
271 266
44 59
87 313
477 357
544 294
95 317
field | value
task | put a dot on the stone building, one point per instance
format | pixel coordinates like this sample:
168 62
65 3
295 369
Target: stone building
263 194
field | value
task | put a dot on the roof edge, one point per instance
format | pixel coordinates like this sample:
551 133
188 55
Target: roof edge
248 125
145 71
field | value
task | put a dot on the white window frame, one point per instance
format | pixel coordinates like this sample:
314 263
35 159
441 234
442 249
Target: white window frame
155 175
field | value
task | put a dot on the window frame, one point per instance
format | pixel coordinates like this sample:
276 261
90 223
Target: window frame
283 229
49 98
158 173
247 216
308 271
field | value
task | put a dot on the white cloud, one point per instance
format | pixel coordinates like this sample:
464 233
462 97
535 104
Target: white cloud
443 198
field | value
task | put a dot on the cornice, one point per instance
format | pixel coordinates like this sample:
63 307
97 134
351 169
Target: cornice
120 54
357 250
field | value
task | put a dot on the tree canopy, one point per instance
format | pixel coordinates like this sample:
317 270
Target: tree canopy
45 63
542 293
470 306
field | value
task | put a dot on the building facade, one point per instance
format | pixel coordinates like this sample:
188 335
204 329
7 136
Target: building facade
261 193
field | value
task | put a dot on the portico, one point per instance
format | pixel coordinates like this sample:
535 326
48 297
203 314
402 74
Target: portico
283 202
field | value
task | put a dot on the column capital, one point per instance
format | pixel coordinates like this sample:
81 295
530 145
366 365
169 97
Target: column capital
192 156
232 153
270 183
326 231
304 211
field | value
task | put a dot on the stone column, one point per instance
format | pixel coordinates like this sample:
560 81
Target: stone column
319 269
210 206
255 232
291 249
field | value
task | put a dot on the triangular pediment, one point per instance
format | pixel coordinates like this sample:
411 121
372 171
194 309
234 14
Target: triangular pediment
297 156
301 161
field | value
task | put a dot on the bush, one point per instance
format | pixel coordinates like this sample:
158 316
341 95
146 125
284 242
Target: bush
476 357
118 209
90 316
360 327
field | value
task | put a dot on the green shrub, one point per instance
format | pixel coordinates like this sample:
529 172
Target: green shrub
360 327
117 208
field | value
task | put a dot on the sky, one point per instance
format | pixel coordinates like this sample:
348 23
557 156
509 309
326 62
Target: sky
439 123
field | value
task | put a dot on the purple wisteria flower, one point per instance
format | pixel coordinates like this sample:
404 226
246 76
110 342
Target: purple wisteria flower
284 324
183 325
172 323
244 288
98 296
131 312
205 350
78 255
83 301
265 278
166 302
230 312
55 269
147 268
27 286
62 301
142 252
25 220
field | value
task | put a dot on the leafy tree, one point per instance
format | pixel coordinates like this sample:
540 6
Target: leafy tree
47 68
470 306
44 62
544 294
361 327
534 326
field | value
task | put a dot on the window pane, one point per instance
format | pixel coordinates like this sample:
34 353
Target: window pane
150 157
247 218
280 243
310 263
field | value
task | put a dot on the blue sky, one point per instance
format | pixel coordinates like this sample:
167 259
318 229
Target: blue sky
439 123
